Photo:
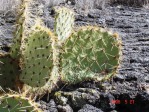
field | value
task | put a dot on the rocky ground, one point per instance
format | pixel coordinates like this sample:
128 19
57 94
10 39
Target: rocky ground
129 88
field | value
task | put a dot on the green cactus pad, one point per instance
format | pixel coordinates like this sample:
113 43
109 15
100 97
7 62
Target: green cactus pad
17 103
9 72
38 61
64 22
90 53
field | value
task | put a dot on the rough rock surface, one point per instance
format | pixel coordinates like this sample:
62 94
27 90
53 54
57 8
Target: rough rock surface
130 87
89 108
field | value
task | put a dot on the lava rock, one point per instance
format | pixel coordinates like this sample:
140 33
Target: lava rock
65 108
89 108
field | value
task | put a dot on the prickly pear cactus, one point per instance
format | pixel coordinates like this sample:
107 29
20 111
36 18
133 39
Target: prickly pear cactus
90 53
17 103
64 23
45 59
9 72
39 62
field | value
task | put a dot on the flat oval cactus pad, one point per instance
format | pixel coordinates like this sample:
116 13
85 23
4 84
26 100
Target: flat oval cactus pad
90 53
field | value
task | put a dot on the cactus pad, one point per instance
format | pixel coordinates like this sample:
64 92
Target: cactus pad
17 103
90 53
64 21
37 61
9 71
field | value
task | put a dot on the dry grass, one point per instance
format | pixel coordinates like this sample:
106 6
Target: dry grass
91 4
9 5
135 3
101 4
53 2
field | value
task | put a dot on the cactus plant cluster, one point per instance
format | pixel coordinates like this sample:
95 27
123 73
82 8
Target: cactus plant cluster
39 59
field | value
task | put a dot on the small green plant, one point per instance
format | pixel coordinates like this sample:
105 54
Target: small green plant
39 59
